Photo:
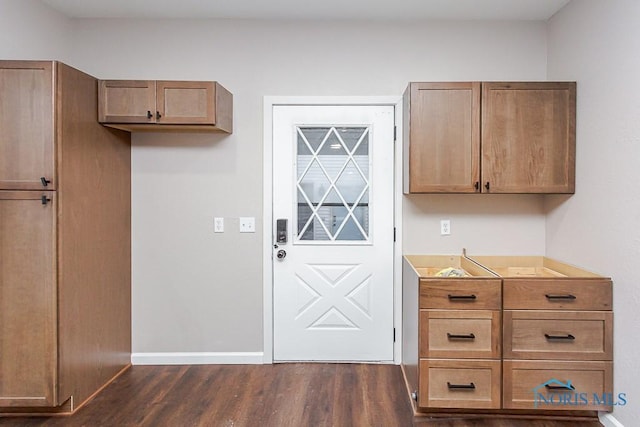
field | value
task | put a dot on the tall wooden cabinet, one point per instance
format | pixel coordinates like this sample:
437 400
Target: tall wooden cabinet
489 137
65 272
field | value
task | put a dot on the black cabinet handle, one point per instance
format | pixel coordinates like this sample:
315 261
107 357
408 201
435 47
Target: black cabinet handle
45 182
477 185
461 297
487 185
460 337
560 297
559 387
470 386
567 337
149 114
44 199
158 115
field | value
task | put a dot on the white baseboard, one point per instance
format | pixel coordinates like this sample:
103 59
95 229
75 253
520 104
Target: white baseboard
202 358
608 420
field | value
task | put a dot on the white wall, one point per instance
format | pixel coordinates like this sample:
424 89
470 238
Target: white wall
196 291
597 44
31 30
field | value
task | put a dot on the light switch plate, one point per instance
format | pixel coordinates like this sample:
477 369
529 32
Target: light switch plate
247 224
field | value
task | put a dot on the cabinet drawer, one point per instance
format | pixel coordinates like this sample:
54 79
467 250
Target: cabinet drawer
571 335
460 334
459 384
542 385
557 294
461 294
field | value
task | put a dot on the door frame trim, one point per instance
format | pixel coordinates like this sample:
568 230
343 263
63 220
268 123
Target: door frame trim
267 205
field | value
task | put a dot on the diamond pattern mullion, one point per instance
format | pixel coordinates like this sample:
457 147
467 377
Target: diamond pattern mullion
366 178
350 213
335 174
324 140
355 148
310 220
364 233
306 141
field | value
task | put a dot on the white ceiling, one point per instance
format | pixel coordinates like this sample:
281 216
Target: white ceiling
313 9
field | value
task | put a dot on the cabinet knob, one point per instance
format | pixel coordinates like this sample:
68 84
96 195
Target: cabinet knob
486 185
158 115
149 114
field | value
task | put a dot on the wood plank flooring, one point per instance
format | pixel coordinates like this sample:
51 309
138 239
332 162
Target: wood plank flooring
280 395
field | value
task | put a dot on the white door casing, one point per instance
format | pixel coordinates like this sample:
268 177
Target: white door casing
333 181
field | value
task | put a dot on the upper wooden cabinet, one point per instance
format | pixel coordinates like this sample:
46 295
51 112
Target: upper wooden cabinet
470 137
27 137
146 105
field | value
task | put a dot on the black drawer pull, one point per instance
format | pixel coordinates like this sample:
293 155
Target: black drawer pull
149 114
567 337
470 386
45 182
560 297
462 297
158 115
567 386
460 337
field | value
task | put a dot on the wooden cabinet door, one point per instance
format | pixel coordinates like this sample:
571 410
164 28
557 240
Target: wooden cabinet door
444 137
181 102
28 355
27 138
528 137
127 101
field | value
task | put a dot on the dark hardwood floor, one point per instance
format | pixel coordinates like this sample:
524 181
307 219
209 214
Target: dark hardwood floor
278 395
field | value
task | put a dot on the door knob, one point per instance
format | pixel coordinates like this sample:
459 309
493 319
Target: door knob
281 254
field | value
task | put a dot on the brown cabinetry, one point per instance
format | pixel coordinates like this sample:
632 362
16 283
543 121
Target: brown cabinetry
458 345
27 298
469 137
27 138
518 335
147 105
65 322
558 328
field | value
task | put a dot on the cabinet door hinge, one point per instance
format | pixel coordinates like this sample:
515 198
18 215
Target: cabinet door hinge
394 334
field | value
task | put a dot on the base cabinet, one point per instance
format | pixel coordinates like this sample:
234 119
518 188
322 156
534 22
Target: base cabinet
557 386
28 314
448 383
65 258
516 335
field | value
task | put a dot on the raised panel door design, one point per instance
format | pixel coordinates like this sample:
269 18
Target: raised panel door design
444 139
182 102
27 142
127 101
528 137
27 299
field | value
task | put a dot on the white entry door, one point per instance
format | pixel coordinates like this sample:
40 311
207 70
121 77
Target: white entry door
333 277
